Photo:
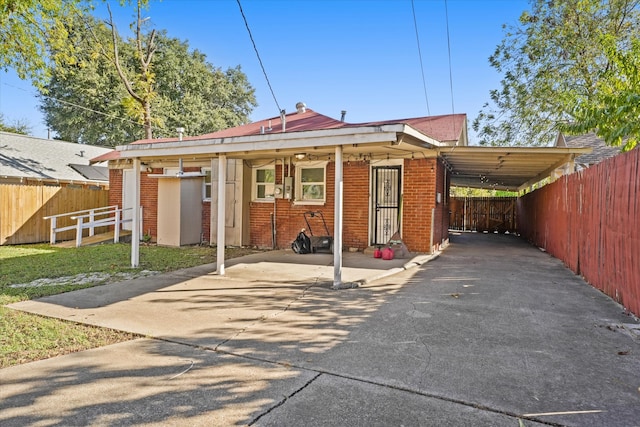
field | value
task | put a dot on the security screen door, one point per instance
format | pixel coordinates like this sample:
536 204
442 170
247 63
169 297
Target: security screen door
386 203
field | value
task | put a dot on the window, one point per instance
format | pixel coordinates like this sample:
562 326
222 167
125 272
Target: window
310 182
206 187
264 180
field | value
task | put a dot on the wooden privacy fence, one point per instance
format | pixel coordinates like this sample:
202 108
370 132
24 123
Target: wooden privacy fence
591 221
483 214
23 208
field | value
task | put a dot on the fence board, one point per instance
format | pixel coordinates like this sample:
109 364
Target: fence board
483 214
23 207
591 221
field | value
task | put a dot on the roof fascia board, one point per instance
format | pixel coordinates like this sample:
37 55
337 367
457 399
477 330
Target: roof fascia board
271 136
254 144
414 133
517 150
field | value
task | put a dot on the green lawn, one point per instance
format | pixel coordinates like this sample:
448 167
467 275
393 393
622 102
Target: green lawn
25 337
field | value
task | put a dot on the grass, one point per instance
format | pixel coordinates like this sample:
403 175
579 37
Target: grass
26 337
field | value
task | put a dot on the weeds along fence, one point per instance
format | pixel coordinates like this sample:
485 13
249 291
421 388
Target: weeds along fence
23 208
591 221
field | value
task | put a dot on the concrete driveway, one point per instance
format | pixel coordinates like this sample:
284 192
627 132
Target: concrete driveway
492 332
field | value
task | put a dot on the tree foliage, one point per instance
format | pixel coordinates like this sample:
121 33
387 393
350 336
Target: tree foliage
615 117
17 126
552 61
30 30
87 102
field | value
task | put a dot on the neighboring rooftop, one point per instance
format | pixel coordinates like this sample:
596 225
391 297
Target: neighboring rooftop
601 151
23 156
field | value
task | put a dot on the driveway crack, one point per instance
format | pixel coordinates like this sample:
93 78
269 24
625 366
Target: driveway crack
263 318
284 399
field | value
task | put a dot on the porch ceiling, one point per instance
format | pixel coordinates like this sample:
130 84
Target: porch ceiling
504 168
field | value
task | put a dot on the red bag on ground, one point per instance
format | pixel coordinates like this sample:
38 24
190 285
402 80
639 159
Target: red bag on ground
387 254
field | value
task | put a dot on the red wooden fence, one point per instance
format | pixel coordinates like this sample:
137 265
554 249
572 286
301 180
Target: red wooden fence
591 221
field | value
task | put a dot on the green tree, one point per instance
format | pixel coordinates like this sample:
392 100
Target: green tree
615 115
30 30
551 62
17 126
87 102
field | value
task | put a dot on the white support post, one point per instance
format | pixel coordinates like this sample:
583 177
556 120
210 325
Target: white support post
337 226
79 232
52 233
92 219
222 178
135 225
116 229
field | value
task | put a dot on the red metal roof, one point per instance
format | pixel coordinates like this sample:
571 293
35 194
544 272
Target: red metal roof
441 128
111 155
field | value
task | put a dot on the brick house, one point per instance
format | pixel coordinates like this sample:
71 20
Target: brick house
279 168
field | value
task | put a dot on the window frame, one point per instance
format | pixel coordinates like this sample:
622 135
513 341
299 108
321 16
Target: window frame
300 166
255 183
207 173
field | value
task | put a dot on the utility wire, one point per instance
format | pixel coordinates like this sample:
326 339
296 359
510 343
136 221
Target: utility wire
453 110
258 55
424 82
82 107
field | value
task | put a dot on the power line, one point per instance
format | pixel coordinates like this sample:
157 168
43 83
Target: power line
446 14
424 82
453 109
82 107
258 55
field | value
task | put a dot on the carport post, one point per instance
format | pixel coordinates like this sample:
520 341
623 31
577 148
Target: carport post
337 226
222 177
135 226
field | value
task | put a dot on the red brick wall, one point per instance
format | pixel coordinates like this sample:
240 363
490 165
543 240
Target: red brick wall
149 202
290 217
419 198
115 187
441 217
355 218
206 220
421 180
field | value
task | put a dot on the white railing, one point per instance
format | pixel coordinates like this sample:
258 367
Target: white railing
98 217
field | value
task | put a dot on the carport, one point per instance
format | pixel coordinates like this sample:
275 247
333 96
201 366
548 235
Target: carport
507 168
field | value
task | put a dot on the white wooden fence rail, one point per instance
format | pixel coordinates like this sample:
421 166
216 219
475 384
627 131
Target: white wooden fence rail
97 217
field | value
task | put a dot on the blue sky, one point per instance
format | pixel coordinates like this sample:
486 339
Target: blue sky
355 55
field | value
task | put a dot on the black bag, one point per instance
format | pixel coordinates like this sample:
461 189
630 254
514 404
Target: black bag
302 244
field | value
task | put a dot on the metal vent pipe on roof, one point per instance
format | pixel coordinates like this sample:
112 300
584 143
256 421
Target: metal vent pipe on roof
301 107
283 119
343 113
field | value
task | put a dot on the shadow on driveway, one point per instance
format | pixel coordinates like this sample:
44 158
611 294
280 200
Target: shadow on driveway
490 332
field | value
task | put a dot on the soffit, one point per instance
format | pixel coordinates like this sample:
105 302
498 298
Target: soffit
504 168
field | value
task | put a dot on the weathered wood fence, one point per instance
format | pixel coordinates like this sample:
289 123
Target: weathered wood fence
591 221
483 214
23 208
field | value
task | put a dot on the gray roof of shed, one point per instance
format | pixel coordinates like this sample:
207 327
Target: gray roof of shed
25 156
